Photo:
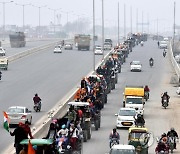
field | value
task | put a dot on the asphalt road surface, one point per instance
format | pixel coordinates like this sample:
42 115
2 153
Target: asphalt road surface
51 75
158 120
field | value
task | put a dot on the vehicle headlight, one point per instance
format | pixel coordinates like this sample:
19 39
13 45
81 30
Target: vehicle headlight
119 119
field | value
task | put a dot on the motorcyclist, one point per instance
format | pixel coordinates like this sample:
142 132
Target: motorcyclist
151 60
36 99
142 43
158 44
161 147
139 121
146 89
114 135
173 133
163 138
165 96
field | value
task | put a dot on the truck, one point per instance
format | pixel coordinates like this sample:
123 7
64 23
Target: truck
17 40
134 98
82 41
108 40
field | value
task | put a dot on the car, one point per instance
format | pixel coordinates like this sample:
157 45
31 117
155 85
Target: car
107 46
125 117
163 45
2 51
98 50
136 66
68 46
122 149
18 114
58 49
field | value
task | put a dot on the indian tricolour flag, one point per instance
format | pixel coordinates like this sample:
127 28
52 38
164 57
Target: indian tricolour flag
6 121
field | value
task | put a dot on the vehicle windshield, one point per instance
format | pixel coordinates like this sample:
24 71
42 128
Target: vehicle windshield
135 63
122 151
134 101
57 47
15 110
127 112
98 48
138 135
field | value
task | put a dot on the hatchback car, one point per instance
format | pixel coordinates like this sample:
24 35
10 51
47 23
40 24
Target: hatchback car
58 49
18 114
68 46
125 117
2 51
122 149
136 66
98 50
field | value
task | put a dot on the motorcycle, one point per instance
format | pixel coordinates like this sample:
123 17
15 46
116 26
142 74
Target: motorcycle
37 107
151 63
164 102
164 53
114 141
146 95
171 141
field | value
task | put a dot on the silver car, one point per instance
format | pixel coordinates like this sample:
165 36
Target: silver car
18 114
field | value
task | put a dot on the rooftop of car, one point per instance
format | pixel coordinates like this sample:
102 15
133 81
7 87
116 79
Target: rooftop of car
123 146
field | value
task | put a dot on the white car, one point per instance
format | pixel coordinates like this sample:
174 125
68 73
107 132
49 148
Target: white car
68 46
122 149
163 45
136 66
107 46
18 114
98 51
125 117
2 51
58 49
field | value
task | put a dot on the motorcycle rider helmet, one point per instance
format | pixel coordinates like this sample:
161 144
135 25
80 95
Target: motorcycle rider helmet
36 94
114 130
172 129
63 126
164 135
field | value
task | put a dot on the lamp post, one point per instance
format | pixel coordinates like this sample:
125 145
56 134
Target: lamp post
54 17
39 8
3 2
118 23
23 5
93 35
103 28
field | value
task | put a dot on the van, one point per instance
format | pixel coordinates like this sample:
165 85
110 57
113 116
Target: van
122 149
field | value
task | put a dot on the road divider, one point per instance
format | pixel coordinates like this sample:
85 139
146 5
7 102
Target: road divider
174 63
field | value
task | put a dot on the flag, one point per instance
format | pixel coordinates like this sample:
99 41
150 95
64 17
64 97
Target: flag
6 121
30 148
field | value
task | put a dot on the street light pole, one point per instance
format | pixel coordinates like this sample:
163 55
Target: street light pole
131 18
39 8
4 16
118 23
93 35
174 27
103 28
23 5
54 18
136 20
124 21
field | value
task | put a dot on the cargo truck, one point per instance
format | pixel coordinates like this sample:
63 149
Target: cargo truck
82 41
134 98
17 40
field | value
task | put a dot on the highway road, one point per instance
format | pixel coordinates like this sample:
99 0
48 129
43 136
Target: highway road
158 120
29 44
50 75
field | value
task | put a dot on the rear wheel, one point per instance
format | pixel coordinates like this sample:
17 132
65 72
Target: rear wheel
85 135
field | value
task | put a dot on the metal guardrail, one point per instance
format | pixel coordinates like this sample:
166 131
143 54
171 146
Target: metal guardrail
174 63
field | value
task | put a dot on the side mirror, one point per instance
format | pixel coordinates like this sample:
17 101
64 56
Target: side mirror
116 114
130 63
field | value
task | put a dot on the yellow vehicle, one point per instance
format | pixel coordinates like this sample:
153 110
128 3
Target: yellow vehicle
4 63
134 98
139 138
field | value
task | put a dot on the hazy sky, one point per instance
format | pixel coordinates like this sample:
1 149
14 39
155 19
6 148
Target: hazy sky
155 9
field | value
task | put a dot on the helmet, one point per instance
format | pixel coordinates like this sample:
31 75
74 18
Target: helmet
36 94
139 115
172 129
114 130
163 135
63 126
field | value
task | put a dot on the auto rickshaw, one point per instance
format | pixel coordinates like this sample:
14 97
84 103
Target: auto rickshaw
42 145
4 63
139 138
